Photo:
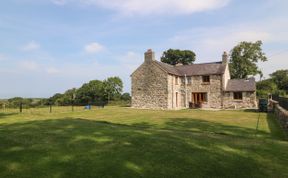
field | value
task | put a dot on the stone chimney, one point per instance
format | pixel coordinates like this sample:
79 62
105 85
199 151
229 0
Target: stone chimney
225 59
149 55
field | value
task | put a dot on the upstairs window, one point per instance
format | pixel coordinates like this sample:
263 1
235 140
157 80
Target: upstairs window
176 80
238 96
183 80
189 80
206 79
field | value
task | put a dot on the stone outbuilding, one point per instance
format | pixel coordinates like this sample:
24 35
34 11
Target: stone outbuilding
157 85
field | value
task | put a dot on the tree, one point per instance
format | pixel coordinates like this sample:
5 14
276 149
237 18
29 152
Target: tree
67 98
244 58
125 97
266 87
93 92
280 77
15 102
53 100
113 87
90 92
175 56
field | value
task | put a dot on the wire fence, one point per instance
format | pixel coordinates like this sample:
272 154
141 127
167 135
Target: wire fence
49 109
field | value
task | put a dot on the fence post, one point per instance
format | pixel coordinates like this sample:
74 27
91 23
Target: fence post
20 108
50 106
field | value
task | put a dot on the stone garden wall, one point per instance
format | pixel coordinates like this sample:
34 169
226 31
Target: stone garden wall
280 113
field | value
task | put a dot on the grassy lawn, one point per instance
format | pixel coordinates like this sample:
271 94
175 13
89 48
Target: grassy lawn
123 142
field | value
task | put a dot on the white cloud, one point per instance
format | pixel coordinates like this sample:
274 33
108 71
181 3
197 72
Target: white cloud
31 46
59 2
93 48
29 65
146 7
130 57
131 60
52 70
209 43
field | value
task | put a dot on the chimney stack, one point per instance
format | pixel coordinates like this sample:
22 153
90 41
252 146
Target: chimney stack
225 59
149 55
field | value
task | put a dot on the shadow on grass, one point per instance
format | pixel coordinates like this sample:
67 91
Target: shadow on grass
196 125
4 115
275 128
84 148
250 110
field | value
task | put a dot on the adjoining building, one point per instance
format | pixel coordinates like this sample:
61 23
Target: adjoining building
157 85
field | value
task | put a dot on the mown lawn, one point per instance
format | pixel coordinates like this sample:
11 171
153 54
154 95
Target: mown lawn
123 142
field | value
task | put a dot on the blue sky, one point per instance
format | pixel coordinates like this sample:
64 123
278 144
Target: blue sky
49 46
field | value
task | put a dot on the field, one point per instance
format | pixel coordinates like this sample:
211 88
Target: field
123 142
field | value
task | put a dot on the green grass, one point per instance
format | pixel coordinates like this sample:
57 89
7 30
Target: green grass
123 142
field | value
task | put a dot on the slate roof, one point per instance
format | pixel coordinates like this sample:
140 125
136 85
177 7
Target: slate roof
241 85
215 68
168 68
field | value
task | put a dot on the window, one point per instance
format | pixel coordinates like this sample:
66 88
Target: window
206 79
182 80
199 98
227 94
176 80
176 99
238 96
189 80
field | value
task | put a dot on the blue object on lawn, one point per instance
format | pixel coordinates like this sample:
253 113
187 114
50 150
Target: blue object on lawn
88 107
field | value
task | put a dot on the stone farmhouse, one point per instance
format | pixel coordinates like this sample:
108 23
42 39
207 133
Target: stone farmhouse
157 85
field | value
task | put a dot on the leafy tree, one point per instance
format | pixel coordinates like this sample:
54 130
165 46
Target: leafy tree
93 92
67 98
113 87
16 101
53 100
175 56
126 97
244 58
90 92
280 77
266 87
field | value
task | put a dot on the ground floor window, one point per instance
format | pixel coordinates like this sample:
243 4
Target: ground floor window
238 96
176 99
198 98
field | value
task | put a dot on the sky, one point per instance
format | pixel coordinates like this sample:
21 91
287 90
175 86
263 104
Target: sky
49 46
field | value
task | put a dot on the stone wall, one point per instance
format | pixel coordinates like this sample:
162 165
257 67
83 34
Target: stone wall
149 87
248 100
213 90
154 88
280 113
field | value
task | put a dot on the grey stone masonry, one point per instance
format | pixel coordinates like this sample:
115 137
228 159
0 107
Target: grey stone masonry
281 114
157 85
149 85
